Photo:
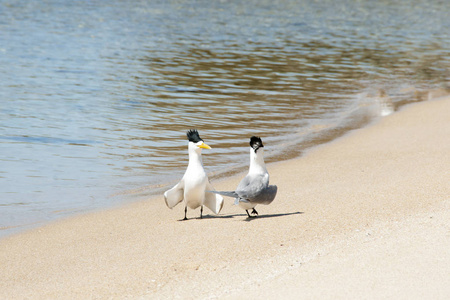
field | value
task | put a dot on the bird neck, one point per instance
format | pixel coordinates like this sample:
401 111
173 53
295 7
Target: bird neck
257 165
195 158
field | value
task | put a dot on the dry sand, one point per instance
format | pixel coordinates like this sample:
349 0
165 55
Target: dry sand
366 216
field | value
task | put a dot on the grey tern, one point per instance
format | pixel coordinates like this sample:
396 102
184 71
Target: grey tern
254 188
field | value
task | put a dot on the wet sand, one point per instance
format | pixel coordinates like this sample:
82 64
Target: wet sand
366 216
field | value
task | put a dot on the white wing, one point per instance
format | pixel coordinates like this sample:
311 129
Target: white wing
174 195
213 201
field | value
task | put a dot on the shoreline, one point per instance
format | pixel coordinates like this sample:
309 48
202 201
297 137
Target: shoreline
363 179
363 114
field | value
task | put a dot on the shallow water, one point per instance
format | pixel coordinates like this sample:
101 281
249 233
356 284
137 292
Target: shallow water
96 97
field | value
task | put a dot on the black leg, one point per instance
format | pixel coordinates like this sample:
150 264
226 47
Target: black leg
254 212
248 213
201 212
185 212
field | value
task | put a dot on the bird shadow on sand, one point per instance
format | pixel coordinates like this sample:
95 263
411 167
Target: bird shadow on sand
272 216
210 217
247 219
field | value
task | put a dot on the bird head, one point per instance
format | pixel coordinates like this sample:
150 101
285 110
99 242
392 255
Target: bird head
256 143
257 165
195 140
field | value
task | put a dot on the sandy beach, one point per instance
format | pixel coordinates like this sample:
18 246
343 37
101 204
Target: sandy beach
365 216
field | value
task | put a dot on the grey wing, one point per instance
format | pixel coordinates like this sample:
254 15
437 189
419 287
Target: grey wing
225 193
251 186
266 196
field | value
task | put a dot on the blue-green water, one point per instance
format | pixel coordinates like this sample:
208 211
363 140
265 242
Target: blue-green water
96 96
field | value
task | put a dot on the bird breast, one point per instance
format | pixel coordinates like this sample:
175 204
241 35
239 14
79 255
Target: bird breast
194 187
247 205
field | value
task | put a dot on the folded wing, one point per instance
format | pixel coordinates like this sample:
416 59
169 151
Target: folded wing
251 186
266 196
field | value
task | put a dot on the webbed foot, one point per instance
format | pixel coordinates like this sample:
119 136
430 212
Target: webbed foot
250 216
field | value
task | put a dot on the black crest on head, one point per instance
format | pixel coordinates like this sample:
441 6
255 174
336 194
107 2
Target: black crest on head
256 143
193 136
